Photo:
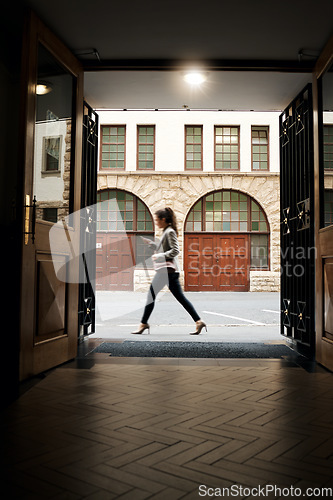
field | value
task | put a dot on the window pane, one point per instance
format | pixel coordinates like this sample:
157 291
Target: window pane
113 147
259 251
223 159
235 214
328 207
146 147
260 153
193 144
328 147
118 208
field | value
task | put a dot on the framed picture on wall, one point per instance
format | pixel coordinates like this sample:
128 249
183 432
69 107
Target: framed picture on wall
51 154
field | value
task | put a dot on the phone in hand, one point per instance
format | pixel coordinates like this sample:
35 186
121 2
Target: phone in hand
146 240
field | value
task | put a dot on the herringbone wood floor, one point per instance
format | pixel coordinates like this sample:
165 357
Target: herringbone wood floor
157 428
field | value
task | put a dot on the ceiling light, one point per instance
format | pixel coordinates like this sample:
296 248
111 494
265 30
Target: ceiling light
195 77
43 88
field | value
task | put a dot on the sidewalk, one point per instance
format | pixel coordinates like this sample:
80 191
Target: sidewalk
237 317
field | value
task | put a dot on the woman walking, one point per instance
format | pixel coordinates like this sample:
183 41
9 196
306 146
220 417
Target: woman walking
167 270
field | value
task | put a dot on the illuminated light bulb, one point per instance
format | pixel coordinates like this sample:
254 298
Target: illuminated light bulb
43 88
195 78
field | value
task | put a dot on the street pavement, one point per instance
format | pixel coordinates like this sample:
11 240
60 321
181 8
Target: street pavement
230 317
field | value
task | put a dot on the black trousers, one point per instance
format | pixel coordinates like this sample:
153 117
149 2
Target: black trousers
162 278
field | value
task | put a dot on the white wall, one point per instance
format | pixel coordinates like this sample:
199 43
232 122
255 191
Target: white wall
328 117
169 129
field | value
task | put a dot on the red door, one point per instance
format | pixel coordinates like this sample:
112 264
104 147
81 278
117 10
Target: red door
217 262
114 261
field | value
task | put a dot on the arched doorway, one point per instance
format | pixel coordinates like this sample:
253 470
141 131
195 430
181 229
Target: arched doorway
226 235
121 219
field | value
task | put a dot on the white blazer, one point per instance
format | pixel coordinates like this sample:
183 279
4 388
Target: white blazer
167 248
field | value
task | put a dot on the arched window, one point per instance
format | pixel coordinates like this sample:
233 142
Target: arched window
122 211
226 211
229 211
119 211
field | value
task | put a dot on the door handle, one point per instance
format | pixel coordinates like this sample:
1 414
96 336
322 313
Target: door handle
28 206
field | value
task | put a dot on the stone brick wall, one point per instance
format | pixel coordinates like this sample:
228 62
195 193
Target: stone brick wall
181 191
263 281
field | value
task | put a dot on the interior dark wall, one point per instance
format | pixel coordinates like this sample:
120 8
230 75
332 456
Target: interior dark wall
10 197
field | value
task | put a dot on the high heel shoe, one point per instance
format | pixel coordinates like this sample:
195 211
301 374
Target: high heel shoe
142 329
199 326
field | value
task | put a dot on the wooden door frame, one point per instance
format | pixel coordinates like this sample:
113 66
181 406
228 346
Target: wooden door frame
323 236
36 32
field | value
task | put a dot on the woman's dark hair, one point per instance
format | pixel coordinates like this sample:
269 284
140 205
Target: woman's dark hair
170 218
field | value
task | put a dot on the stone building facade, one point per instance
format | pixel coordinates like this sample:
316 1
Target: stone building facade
181 189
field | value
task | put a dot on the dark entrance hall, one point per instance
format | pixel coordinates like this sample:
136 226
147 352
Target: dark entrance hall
103 428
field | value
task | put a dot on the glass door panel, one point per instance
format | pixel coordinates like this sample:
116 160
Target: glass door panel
54 130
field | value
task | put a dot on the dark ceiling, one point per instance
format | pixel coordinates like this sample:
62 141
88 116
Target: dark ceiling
246 34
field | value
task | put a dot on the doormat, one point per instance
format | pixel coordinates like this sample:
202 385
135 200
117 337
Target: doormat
144 349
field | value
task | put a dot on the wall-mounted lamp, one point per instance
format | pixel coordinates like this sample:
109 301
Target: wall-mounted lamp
195 77
43 88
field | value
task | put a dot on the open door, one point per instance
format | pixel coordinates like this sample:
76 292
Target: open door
297 223
323 137
52 129
87 289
